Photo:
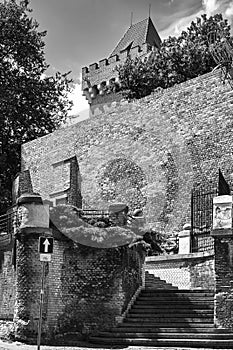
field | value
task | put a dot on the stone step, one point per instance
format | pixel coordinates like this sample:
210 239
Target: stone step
168 293
174 299
154 282
164 302
210 330
189 343
178 335
178 312
152 324
178 292
169 319
157 282
174 306
159 285
164 316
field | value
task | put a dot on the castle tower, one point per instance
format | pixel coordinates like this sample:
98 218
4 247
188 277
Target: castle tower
100 80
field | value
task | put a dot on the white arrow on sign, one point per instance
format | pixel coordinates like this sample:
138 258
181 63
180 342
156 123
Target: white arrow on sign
46 245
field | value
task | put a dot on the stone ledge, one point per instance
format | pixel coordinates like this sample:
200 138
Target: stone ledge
178 257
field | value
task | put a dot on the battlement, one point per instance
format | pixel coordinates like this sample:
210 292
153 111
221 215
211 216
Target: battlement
105 69
134 51
100 79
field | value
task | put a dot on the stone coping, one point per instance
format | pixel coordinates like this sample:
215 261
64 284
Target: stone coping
178 257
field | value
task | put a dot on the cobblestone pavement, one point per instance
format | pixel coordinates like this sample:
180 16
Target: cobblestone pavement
5 345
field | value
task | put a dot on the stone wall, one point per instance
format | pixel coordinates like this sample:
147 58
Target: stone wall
202 272
186 271
156 149
7 286
104 104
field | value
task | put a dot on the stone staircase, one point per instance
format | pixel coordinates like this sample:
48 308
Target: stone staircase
164 316
153 282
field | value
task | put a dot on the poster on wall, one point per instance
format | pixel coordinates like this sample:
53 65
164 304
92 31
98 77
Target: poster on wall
222 213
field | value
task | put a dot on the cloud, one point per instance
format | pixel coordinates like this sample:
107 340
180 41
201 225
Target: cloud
229 11
179 25
210 7
219 6
79 101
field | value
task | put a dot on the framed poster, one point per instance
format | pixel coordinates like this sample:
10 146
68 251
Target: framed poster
222 213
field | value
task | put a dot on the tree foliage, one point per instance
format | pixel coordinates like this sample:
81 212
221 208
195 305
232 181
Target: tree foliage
32 104
177 60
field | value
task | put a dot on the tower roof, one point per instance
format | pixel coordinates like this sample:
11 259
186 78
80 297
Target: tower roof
137 35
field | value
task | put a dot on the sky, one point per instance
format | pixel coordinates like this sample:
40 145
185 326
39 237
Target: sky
81 32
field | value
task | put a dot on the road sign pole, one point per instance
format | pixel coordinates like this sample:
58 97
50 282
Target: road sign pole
41 305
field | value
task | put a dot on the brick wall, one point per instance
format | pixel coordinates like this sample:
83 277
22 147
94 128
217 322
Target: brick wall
28 287
224 282
7 286
86 289
96 286
174 139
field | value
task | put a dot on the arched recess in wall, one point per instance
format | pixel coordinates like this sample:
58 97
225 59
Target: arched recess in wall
121 180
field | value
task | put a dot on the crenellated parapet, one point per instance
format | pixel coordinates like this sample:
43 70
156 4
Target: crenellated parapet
100 82
102 78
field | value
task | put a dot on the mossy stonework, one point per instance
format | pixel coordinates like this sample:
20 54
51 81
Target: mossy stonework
155 150
86 288
96 286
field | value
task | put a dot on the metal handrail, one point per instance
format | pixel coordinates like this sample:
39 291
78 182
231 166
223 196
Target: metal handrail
7 222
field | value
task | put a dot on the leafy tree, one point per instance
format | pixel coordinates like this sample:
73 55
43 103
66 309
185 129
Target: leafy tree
177 60
32 104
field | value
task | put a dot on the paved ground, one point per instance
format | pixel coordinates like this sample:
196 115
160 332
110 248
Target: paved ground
5 345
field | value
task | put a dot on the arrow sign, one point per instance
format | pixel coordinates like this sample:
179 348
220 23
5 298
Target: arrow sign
45 245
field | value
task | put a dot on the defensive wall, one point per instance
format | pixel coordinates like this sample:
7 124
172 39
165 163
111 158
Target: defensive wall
149 153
